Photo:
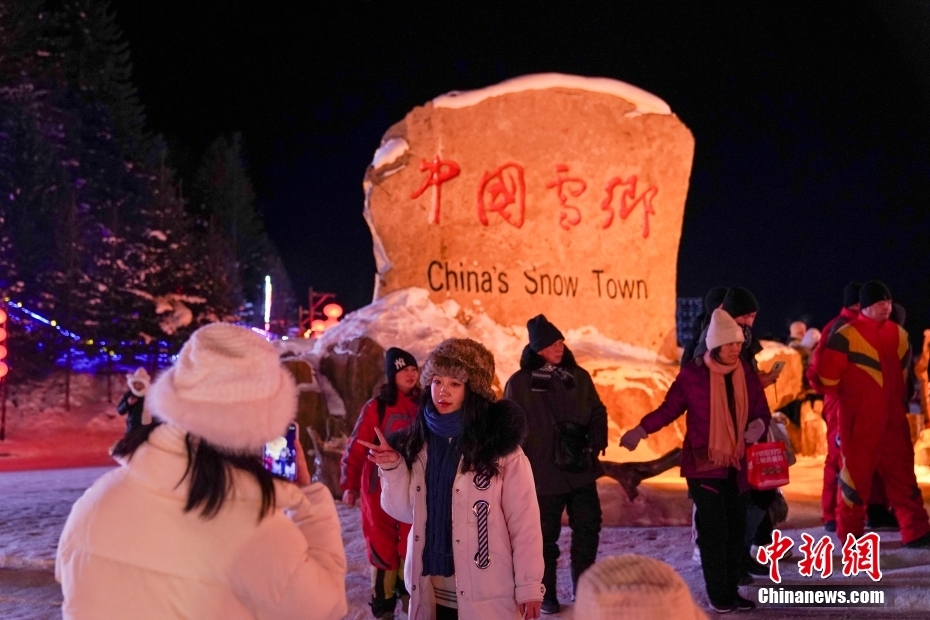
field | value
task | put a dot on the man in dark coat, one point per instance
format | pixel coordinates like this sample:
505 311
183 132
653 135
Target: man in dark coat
553 389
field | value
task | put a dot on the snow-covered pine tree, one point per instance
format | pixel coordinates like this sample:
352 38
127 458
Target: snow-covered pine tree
224 198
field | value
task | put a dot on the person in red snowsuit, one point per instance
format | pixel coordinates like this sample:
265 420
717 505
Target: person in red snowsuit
831 406
865 364
385 537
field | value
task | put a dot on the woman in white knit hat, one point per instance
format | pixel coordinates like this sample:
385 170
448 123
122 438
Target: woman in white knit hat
726 409
191 525
634 587
459 476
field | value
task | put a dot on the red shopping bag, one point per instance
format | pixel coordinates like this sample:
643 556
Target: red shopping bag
767 465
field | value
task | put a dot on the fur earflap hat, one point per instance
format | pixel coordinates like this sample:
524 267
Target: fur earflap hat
464 359
140 375
634 587
722 330
227 387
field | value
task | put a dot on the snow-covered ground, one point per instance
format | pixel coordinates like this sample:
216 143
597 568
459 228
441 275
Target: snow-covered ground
36 503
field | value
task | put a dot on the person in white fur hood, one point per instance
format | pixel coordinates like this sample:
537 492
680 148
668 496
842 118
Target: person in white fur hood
213 534
132 405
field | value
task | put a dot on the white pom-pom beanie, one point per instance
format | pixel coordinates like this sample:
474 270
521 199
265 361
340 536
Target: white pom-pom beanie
722 330
634 587
228 387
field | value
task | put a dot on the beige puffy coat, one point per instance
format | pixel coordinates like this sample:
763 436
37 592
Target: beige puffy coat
128 549
515 572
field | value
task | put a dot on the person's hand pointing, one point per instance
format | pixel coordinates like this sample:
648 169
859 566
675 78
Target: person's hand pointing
381 455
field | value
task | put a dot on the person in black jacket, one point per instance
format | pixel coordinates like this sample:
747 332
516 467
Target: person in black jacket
132 405
553 390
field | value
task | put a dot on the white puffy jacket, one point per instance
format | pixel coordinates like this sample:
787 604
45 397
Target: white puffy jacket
128 549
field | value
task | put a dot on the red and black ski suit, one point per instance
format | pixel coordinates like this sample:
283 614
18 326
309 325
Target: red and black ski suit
865 364
831 413
385 537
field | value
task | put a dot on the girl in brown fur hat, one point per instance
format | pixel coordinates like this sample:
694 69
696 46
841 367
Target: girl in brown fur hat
459 476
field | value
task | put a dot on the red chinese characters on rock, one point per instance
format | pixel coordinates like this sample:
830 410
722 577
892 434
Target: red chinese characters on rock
500 190
771 554
570 215
440 171
628 201
861 556
503 191
817 556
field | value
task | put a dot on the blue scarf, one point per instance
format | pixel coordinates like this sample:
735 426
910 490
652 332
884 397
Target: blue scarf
443 453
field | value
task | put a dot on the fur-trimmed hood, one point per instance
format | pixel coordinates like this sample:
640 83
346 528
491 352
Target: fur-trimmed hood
507 431
531 360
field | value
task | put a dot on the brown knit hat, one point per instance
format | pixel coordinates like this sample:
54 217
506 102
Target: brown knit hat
634 587
464 359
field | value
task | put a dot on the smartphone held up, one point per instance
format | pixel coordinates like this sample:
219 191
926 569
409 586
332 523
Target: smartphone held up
280 455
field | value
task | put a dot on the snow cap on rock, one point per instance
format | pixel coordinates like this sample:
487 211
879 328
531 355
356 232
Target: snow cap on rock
466 360
722 330
634 587
227 387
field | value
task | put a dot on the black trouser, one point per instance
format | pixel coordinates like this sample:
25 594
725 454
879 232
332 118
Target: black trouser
721 526
758 525
446 613
584 517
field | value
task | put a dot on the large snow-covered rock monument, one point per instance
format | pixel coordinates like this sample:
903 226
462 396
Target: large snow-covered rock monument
546 193
550 194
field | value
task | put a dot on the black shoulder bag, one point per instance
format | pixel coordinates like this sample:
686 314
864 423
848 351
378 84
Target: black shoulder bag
571 450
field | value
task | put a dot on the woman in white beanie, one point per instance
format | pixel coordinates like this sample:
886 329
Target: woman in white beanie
726 409
459 476
191 525
634 587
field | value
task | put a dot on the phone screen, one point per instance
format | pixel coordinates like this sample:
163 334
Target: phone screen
279 456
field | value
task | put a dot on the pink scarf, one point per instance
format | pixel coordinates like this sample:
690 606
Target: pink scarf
725 444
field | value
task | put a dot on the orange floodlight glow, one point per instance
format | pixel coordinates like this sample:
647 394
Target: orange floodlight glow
2 316
333 311
3 369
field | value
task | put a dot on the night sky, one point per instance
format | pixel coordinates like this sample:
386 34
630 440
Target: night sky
811 121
